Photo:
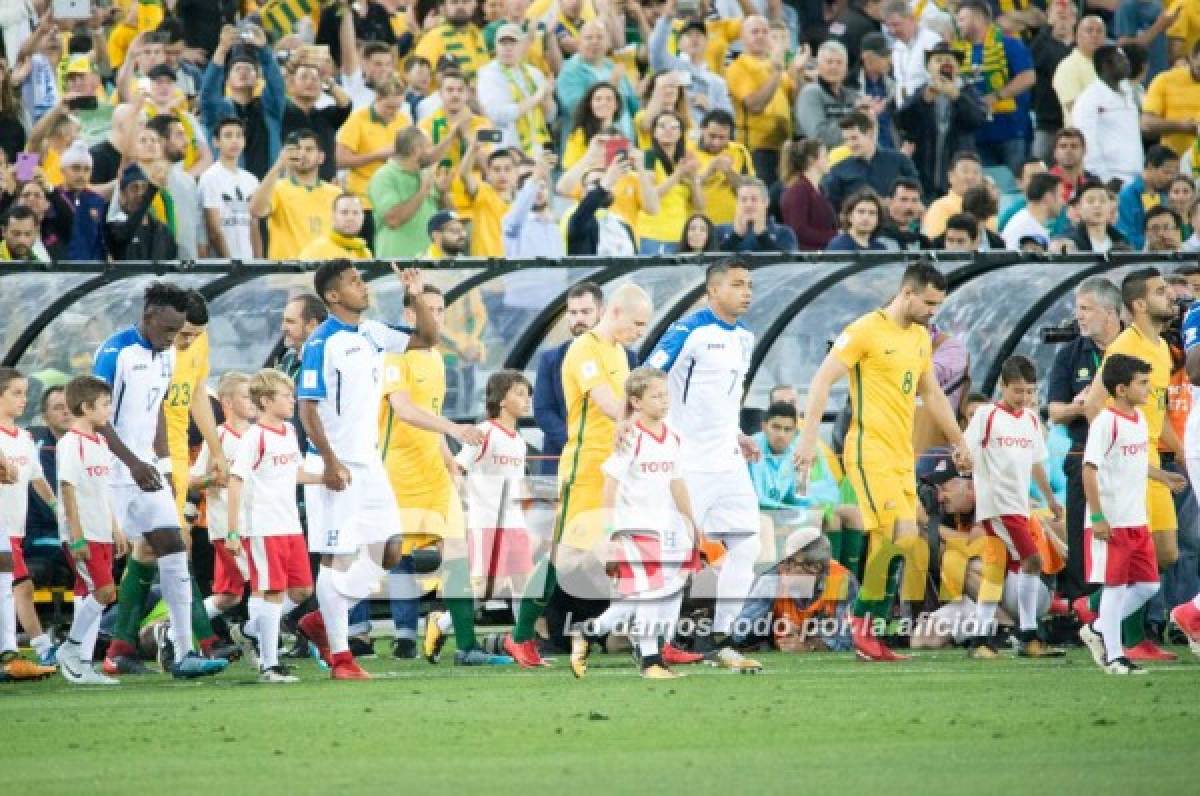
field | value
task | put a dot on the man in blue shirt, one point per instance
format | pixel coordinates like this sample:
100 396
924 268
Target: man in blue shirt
1142 193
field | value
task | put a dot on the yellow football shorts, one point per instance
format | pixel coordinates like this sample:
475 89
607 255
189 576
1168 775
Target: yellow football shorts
885 497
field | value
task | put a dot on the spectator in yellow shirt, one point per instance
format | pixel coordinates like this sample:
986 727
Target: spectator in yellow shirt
661 92
451 127
457 37
296 202
343 241
368 139
965 173
489 198
763 91
723 162
677 181
1172 105
599 111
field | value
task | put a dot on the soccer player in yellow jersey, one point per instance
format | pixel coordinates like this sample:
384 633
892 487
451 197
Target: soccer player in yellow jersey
418 461
1147 298
594 371
888 358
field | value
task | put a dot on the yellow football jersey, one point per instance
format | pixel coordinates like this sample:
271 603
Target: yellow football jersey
886 363
299 214
187 384
589 363
1135 344
413 456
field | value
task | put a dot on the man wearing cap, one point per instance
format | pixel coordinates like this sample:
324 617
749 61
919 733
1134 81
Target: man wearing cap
94 115
166 99
228 90
406 194
875 83
708 91
1043 203
88 208
447 236
133 233
517 98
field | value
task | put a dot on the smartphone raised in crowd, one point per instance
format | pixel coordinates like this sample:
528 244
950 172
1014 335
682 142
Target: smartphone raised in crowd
489 136
26 165
614 147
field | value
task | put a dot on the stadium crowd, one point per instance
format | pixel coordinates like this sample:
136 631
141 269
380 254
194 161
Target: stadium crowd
293 130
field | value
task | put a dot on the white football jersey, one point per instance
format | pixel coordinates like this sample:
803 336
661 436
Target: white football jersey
217 501
706 360
1005 445
85 462
495 475
1118 446
139 378
268 462
17 445
644 472
342 370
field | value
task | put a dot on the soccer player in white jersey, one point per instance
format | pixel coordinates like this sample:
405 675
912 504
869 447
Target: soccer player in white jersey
86 524
353 513
1118 551
230 569
1186 616
499 545
23 466
264 518
644 488
1008 447
136 363
706 356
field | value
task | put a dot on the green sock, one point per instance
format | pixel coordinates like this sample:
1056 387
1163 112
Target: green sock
1094 600
881 608
835 544
531 607
1133 628
854 541
131 599
201 626
461 608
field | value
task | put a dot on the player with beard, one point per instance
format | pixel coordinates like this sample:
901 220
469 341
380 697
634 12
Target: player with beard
887 356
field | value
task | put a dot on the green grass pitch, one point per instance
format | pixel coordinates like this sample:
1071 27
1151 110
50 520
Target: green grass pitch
815 723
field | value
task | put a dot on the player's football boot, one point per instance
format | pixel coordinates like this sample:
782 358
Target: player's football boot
362 648
867 647
248 643
1059 606
313 626
276 674
346 668
21 669
215 648
1083 610
477 657
1123 665
404 649
1036 648
656 672
7 655
124 664
196 665
525 653
580 647
435 639
164 646
1094 641
49 657
673 656
89 676
982 650
1147 650
70 665
734 661
1187 618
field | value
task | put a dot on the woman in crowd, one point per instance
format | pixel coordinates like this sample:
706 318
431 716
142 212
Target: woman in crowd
1181 194
661 93
677 180
599 109
699 236
803 207
862 217
53 216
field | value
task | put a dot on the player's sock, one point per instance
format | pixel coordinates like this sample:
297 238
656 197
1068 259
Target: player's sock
532 606
735 579
253 611
41 644
86 610
1094 600
618 613
881 609
8 614
210 607
835 544
445 622
1108 622
1133 625
87 645
334 610
177 594
1028 589
131 602
201 625
854 542
307 606
287 606
460 603
1136 597
268 633
985 617
1196 602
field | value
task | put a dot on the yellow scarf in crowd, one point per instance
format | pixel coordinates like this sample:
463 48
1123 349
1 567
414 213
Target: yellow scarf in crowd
991 74
356 247
531 128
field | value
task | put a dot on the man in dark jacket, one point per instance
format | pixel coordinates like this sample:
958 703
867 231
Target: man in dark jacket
867 165
941 118
131 232
751 230
591 231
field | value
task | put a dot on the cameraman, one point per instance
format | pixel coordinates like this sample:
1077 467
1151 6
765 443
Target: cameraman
1098 315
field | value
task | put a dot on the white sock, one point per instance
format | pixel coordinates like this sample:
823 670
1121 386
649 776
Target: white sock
268 633
619 612
1196 602
210 606
87 613
1136 595
735 579
335 611
254 611
288 604
176 585
985 618
1028 589
41 644
8 614
87 647
445 622
1108 622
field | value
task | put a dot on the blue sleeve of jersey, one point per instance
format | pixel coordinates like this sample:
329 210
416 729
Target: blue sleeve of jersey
312 370
104 366
1018 56
670 346
1191 327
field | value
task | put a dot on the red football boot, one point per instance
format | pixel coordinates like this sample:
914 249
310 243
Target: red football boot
312 625
525 653
344 667
1083 610
1149 651
673 656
